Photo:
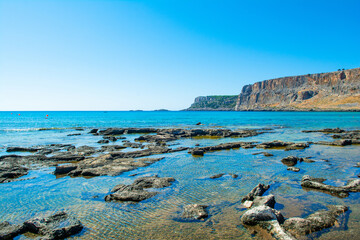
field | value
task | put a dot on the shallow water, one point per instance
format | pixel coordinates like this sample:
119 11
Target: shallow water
158 217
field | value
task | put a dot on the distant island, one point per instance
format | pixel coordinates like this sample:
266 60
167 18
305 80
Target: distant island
333 91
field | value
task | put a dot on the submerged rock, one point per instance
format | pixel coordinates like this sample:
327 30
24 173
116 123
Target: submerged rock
55 226
266 154
103 141
294 169
195 211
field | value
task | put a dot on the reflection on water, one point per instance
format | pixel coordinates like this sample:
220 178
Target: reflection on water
158 217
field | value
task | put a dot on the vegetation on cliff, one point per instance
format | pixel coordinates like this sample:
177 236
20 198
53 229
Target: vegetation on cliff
218 103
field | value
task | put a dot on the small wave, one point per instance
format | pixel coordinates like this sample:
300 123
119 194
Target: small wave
31 129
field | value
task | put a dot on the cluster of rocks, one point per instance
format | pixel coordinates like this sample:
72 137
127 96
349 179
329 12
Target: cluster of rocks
280 144
165 135
103 165
199 151
136 192
54 226
343 137
318 184
261 214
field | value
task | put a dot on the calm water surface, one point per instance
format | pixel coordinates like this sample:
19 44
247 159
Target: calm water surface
158 217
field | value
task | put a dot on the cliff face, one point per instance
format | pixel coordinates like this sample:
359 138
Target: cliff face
211 103
324 91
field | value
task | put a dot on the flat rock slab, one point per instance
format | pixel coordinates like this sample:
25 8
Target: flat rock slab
315 222
55 226
104 165
195 212
136 192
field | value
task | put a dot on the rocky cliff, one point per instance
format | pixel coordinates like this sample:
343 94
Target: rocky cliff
214 103
318 92
333 91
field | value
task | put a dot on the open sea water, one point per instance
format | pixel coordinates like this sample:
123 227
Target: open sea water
158 217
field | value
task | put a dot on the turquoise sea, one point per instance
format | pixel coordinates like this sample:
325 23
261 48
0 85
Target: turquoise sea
158 217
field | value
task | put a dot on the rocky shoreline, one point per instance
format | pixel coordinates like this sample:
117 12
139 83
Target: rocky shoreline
111 160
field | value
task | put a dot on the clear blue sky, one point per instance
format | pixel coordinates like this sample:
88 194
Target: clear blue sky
121 55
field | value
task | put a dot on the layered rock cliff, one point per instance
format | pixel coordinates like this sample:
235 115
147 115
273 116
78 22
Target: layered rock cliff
333 91
318 92
211 103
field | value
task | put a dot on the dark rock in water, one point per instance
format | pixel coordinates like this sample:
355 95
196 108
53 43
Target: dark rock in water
56 226
197 145
153 182
133 145
291 160
297 146
83 150
133 195
285 145
119 131
110 138
179 149
197 152
259 190
199 123
314 183
340 142
274 144
111 148
217 175
64 169
233 175
165 135
268 200
103 141
9 231
135 192
74 134
22 149
294 169
195 211
223 146
9 172
79 129
266 154
315 222
95 130
326 130
260 214
65 157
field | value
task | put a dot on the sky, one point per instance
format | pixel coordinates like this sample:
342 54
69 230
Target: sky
129 55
